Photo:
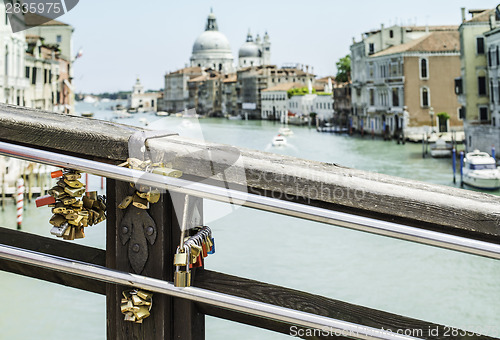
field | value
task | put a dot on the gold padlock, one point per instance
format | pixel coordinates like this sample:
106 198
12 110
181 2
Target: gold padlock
74 192
168 172
126 202
72 176
73 184
140 203
153 196
57 220
69 200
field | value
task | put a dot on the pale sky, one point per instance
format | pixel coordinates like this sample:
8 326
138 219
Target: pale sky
122 39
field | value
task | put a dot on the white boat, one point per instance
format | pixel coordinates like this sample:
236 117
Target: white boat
87 114
279 140
162 113
285 131
441 149
480 170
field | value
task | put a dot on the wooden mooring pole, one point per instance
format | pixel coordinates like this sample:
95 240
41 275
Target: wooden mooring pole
170 318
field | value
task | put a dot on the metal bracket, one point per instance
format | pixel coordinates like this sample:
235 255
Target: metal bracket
137 142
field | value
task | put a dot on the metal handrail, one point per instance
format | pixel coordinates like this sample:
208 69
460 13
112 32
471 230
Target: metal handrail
293 317
223 194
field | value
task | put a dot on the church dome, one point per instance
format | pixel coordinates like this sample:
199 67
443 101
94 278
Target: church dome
211 40
249 49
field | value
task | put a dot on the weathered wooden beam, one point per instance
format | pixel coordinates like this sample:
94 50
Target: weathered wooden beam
218 282
450 210
55 247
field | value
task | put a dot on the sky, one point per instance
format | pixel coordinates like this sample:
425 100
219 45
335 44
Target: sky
123 39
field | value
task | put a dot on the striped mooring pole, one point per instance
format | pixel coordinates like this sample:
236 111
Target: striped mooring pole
20 202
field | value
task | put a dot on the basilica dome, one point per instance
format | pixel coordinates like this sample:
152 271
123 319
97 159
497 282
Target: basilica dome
211 40
249 49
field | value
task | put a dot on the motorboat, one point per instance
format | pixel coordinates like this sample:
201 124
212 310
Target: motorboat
285 131
162 113
480 170
441 149
87 114
279 140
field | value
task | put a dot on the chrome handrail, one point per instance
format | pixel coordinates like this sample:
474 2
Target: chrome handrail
222 194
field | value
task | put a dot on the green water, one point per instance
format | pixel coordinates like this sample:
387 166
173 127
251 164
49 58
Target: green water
418 281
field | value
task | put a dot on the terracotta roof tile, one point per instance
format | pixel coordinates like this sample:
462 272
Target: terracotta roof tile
433 42
284 87
482 17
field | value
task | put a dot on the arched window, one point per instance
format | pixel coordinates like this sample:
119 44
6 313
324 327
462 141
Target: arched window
425 97
424 66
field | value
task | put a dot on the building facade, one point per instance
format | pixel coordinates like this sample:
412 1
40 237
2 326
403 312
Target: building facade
13 83
255 53
407 85
142 101
176 91
478 81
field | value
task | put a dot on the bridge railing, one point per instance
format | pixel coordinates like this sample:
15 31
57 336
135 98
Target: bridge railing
410 210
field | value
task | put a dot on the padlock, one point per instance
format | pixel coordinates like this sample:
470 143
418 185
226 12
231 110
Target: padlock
167 172
57 192
126 202
56 174
182 278
69 200
142 195
71 176
57 220
87 202
212 247
79 233
140 203
73 184
59 231
195 252
92 195
180 258
198 263
153 196
74 192
45 200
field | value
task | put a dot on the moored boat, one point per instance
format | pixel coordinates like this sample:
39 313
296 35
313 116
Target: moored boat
285 131
480 171
441 149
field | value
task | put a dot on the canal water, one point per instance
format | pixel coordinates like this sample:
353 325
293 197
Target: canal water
418 281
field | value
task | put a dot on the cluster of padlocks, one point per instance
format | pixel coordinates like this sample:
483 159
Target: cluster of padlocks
190 254
72 215
136 305
145 195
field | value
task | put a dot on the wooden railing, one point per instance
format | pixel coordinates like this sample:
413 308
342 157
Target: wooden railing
423 206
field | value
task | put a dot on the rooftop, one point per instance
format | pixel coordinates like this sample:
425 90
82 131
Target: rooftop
32 19
284 87
480 15
443 41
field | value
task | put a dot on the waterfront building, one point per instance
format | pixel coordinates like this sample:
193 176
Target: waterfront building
212 49
342 106
176 91
42 70
275 101
13 82
416 73
55 33
205 93
477 86
229 104
252 80
142 101
255 53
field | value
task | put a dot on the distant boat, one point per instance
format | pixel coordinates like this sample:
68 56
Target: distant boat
234 117
89 99
441 149
285 131
122 114
144 121
87 114
480 170
279 140
162 113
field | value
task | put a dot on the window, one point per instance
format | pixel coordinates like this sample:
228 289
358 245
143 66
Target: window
371 47
45 76
391 34
492 97
498 57
483 113
33 79
458 85
27 72
59 38
395 96
424 74
424 97
481 80
372 97
480 45
489 57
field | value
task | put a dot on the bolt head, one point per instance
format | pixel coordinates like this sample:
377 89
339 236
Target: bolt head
136 248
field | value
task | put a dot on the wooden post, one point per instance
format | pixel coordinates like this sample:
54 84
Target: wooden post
170 318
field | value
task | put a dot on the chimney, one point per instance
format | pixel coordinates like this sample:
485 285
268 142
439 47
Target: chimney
463 13
353 40
382 47
307 68
492 21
